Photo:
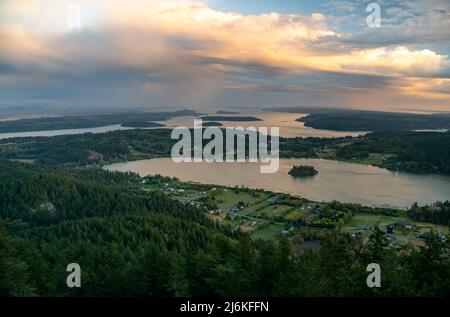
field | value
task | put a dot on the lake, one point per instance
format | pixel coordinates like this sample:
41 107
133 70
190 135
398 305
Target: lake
285 121
345 182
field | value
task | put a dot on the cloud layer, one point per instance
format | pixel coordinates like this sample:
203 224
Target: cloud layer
156 54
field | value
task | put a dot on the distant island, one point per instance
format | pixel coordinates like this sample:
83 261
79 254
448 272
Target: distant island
358 120
302 171
141 124
227 112
88 121
212 124
226 118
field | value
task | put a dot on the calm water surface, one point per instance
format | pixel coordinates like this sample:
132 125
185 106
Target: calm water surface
285 121
342 181
63 132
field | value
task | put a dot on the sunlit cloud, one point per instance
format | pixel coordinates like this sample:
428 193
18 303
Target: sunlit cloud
162 52
399 61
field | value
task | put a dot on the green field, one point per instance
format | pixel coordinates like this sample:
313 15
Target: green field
261 207
271 211
360 222
295 215
257 206
151 186
426 225
228 199
369 220
233 223
268 232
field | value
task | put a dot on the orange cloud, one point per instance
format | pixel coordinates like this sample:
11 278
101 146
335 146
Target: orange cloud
166 36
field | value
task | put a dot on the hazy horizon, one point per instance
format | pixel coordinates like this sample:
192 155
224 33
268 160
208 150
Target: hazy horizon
216 55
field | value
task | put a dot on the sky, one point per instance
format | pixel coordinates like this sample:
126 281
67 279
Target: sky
221 54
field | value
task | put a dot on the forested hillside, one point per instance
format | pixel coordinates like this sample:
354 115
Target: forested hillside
438 213
358 120
416 152
89 148
130 242
41 196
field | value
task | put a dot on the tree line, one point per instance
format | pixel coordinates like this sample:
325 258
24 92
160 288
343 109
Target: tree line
416 152
134 243
438 213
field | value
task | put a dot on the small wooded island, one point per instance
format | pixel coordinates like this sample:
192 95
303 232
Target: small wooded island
141 124
302 171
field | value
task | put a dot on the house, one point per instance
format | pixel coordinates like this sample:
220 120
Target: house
231 216
286 232
363 229
390 229
442 237
403 225
216 211
317 210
